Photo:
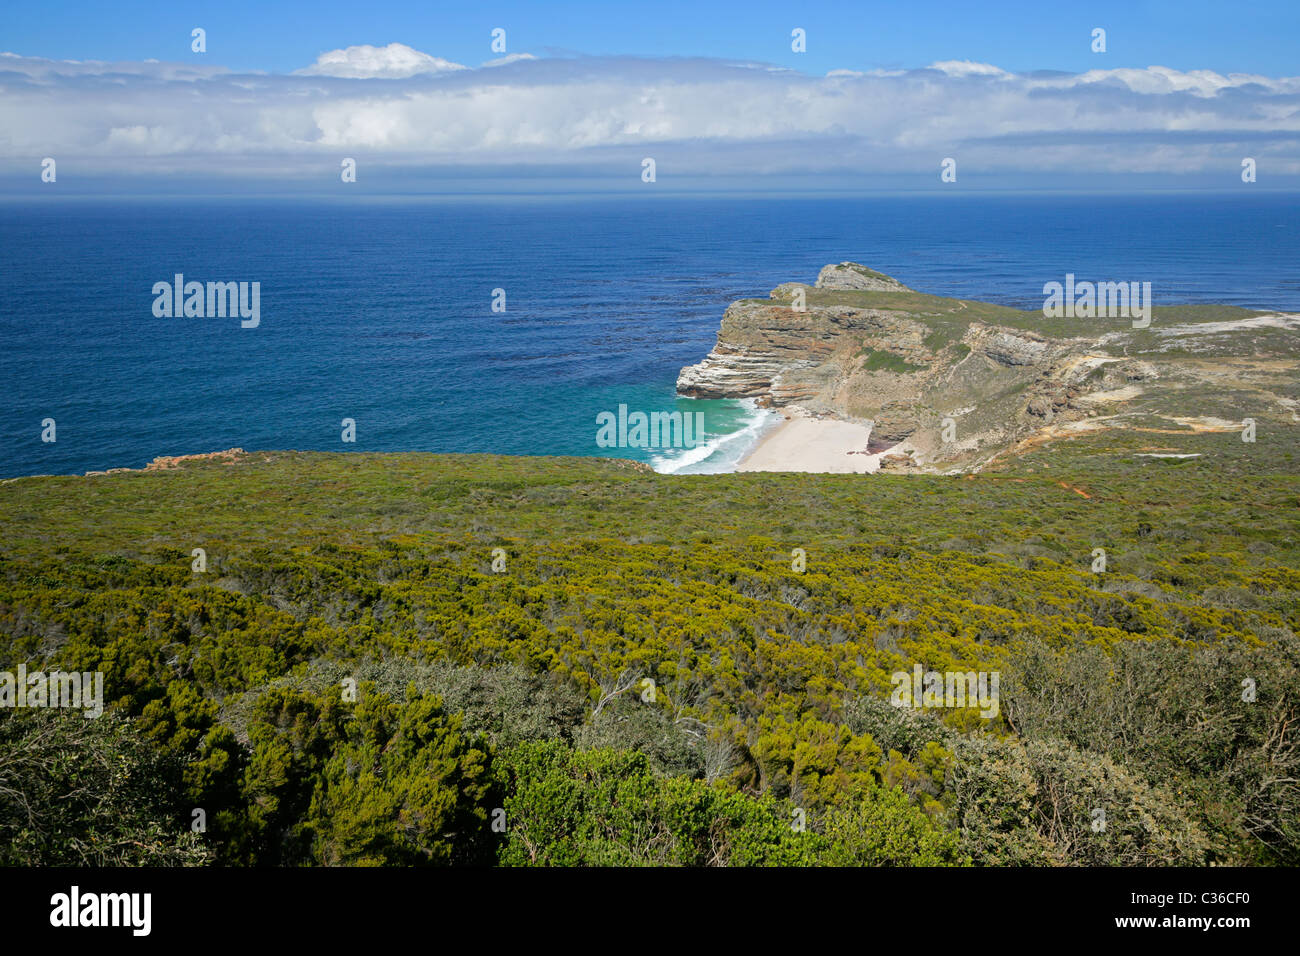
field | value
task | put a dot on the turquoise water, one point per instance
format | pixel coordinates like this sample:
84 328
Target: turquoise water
381 312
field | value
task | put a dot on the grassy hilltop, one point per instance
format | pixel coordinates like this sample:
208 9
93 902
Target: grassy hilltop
648 679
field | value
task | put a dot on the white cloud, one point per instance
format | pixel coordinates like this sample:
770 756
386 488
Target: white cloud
1155 80
968 68
510 58
398 105
395 61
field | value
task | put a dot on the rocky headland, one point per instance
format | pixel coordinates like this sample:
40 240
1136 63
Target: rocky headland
951 385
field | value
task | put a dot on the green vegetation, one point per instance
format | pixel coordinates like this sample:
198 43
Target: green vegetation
878 360
949 319
649 680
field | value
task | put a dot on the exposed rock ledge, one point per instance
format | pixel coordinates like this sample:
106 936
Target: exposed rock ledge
167 462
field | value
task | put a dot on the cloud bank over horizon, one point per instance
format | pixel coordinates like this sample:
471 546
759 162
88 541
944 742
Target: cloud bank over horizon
397 106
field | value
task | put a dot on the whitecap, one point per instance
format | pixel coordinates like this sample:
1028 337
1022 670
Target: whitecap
721 453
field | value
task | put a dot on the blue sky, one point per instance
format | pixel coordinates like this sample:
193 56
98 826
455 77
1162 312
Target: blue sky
1017 35
711 90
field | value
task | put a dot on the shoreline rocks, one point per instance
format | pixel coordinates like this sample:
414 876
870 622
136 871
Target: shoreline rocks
168 462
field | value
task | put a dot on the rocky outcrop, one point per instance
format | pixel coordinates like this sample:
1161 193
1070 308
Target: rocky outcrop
853 277
834 351
168 462
1011 348
165 462
780 354
757 345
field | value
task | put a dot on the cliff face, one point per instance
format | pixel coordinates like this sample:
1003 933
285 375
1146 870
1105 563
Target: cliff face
774 352
763 346
959 382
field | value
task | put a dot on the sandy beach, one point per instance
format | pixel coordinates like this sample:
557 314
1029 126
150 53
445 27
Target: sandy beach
807 443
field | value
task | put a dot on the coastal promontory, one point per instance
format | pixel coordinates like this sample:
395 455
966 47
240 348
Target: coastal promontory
945 384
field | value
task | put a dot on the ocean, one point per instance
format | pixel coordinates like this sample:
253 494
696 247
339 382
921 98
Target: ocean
381 311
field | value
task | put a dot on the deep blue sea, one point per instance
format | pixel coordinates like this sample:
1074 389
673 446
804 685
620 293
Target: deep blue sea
382 311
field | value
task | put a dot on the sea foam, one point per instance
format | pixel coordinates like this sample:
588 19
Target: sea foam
720 453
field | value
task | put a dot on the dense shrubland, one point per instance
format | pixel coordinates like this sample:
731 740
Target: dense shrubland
510 717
